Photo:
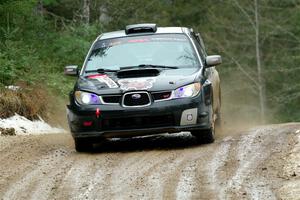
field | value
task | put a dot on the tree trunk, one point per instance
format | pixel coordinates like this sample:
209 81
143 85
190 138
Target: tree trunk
86 11
261 87
39 8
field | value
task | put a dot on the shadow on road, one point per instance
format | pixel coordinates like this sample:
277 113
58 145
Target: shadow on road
161 142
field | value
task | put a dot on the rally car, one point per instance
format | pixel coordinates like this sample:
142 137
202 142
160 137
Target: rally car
144 80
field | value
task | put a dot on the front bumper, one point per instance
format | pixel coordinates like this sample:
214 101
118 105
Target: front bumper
160 117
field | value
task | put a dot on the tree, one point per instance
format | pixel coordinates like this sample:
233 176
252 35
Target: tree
86 11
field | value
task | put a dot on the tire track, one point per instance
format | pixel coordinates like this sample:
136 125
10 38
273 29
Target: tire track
15 165
97 187
156 175
219 158
186 184
136 179
77 178
47 167
27 182
252 150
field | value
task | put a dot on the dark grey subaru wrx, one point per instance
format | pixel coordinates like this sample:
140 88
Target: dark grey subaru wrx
144 80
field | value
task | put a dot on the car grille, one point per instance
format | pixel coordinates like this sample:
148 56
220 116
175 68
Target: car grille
144 100
161 95
111 99
137 122
137 99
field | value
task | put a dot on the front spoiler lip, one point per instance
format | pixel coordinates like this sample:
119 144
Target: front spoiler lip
139 132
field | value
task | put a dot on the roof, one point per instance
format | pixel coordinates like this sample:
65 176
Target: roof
160 30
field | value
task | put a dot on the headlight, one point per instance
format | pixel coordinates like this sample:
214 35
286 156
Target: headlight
86 98
187 91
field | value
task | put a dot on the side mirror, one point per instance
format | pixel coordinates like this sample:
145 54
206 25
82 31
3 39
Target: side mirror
71 70
214 60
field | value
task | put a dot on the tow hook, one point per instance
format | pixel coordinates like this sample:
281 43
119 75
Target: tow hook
98 112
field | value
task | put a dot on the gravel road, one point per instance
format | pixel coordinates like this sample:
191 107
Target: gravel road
261 163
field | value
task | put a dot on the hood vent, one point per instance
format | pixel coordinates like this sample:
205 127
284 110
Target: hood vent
138 73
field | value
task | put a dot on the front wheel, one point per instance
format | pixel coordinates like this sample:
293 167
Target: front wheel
205 136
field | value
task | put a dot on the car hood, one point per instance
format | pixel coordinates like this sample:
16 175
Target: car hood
111 83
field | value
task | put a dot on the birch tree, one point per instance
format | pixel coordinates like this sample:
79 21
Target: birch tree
240 44
260 46
261 86
259 82
86 11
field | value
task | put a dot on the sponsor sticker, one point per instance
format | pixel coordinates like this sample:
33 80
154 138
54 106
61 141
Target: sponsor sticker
136 84
103 78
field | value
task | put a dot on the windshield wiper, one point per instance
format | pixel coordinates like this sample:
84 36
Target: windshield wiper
101 70
149 66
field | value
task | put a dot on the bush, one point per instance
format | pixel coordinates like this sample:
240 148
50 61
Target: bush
30 103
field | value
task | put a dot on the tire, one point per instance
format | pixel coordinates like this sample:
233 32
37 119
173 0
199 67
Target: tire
204 136
218 121
218 124
83 145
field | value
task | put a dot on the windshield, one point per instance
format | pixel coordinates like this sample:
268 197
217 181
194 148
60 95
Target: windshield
162 49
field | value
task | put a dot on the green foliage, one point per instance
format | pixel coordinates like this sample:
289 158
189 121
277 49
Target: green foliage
50 2
35 48
7 73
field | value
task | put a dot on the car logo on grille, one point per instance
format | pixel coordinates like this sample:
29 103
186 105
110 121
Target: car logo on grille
136 96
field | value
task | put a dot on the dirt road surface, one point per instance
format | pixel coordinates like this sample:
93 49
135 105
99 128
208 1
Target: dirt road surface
262 163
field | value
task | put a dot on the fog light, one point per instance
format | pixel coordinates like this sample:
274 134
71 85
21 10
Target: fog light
189 117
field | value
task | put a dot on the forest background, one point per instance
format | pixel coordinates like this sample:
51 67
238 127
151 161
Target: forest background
259 41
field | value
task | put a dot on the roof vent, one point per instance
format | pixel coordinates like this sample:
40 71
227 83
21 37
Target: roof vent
141 28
